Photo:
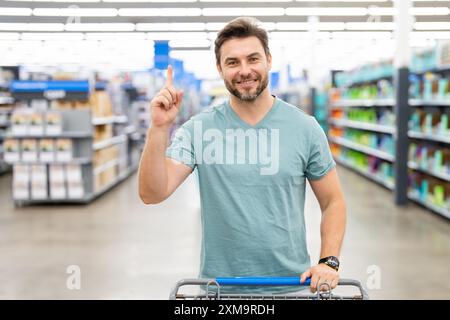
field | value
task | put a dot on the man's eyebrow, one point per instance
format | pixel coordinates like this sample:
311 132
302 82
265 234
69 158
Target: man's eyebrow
248 56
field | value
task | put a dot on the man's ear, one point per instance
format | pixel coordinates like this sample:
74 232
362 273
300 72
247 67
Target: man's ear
219 69
269 60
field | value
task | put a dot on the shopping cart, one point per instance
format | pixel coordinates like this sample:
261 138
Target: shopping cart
213 289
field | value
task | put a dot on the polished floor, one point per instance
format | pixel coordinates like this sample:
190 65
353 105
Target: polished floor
123 249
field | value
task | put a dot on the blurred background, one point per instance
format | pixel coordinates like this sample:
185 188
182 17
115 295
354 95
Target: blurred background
76 78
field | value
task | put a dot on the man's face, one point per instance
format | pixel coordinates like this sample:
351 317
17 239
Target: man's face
244 67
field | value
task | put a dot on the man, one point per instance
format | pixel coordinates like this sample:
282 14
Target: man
253 154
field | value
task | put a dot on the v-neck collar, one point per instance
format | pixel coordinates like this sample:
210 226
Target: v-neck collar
260 122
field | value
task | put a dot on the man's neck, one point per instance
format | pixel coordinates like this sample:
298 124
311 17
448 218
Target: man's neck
253 111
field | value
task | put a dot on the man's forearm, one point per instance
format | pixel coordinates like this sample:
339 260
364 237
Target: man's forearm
332 229
152 169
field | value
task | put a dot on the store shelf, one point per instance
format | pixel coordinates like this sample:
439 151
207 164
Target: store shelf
72 161
109 120
109 142
363 103
428 136
366 174
111 185
364 149
68 135
106 166
431 206
430 103
6 100
363 125
6 109
440 175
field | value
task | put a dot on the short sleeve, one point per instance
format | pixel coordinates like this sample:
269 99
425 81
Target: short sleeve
320 160
181 148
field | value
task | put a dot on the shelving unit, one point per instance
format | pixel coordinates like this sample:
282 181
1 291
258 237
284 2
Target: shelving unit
6 108
427 139
92 167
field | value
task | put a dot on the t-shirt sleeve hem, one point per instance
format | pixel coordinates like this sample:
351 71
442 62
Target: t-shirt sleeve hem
179 159
311 176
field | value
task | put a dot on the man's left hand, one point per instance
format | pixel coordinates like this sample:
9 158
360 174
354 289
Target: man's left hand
321 274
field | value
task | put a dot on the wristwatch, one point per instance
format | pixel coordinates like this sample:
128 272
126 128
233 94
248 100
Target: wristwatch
331 261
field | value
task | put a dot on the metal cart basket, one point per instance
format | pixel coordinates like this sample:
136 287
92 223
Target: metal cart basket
213 289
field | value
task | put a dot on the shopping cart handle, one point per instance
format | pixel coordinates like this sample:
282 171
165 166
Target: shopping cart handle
262 281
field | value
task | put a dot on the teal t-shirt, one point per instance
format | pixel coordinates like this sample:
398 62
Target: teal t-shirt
252 189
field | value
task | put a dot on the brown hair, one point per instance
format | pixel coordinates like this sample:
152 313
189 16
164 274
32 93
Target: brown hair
241 27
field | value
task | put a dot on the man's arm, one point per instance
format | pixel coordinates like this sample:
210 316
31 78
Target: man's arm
332 204
160 176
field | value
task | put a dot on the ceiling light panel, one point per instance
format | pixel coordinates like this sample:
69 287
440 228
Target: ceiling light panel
160 12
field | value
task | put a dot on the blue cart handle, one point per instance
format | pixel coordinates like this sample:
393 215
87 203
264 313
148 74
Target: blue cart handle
263 281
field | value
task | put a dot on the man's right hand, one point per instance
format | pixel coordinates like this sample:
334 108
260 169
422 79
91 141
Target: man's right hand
166 104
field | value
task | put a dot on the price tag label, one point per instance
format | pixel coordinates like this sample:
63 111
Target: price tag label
54 94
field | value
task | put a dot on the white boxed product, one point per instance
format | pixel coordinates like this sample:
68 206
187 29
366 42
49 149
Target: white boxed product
19 122
75 189
39 182
53 122
21 182
11 150
64 150
36 125
39 104
46 150
73 173
57 182
29 150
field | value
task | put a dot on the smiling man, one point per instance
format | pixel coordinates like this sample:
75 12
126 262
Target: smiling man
252 222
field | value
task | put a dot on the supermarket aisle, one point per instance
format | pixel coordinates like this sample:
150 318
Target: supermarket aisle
128 250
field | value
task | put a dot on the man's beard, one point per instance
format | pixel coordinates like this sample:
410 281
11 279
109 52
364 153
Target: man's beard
263 82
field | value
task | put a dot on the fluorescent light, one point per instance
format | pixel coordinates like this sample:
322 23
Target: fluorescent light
362 35
194 26
15 12
442 35
160 12
416 11
306 26
200 43
215 26
341 1
176 35
75 12
153 1
115 36
32 26
370 26
54 0
292 35
432 25
9 36
244 1
100 27
52 36
348 11
243 11
430 11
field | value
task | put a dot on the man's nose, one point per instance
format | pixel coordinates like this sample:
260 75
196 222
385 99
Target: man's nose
245 70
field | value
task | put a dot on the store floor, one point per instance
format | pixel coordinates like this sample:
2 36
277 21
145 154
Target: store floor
127 250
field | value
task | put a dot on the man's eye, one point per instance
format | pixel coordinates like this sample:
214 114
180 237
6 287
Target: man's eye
253 59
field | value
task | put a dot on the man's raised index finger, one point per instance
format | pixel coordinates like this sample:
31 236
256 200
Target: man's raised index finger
169 81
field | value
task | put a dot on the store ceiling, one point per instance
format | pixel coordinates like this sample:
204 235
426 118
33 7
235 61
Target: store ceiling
350 32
